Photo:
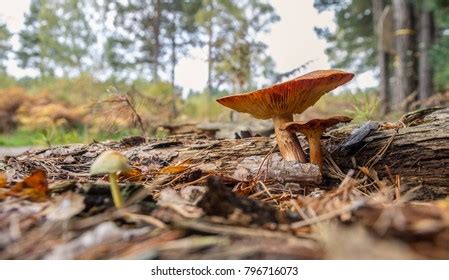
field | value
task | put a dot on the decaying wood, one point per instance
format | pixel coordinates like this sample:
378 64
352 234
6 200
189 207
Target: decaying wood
418 154
416 150
277 169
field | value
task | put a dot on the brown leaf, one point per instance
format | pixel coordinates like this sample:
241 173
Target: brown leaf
35 186
175 169
131 175
3 180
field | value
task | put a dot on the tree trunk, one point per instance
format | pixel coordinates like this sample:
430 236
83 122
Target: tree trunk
174 61
405 61
210 58
157 44
382 60
425 41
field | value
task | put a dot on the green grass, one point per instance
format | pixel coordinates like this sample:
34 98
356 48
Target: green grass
18 139
50 137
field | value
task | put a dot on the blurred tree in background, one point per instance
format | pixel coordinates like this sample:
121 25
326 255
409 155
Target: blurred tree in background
440 48
56 38
236 55
352 45
420 35
5 46
243 56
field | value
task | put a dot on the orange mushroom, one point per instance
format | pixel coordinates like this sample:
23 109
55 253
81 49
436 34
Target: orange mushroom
279 102
313 130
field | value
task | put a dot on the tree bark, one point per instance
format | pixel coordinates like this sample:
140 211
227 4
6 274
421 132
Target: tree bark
382 60
405 61
418 154
425 41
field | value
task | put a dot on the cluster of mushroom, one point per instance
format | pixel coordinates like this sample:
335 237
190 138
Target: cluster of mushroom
279 102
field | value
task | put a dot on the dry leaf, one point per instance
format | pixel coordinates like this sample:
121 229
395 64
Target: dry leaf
176 169
131 175
3 180
34 187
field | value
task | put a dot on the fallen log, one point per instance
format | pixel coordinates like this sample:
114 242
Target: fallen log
417 152
411 153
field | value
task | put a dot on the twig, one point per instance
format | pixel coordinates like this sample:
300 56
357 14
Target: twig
145 218
267 191
328 215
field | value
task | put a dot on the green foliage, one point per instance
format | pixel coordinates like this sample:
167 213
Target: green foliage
236 56
440 50
363 106
5 46
199 106
6 80
56 37
160 90
146 34
59 136
19 138
352 45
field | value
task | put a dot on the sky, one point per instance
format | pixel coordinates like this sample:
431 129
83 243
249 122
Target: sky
291 42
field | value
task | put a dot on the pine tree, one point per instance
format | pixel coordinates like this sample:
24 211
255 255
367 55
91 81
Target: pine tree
181 33
77 35
5 46
245 58
352 46
56 37
136 41
235 55
38 39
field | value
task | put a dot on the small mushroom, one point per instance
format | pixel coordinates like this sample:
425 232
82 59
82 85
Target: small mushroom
111 162
279 102
313 130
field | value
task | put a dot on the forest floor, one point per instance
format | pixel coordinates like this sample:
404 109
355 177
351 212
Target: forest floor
185 201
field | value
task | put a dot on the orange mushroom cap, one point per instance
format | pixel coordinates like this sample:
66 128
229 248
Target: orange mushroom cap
290 97
315 124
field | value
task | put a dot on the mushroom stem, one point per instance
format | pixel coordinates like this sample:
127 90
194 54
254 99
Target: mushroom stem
115 190
287 141
315 149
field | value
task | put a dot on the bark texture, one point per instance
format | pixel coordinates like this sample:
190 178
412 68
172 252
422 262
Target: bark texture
419 154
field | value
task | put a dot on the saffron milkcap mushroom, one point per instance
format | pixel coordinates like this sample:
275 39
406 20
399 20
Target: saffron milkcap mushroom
280 101
111 162
313 130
